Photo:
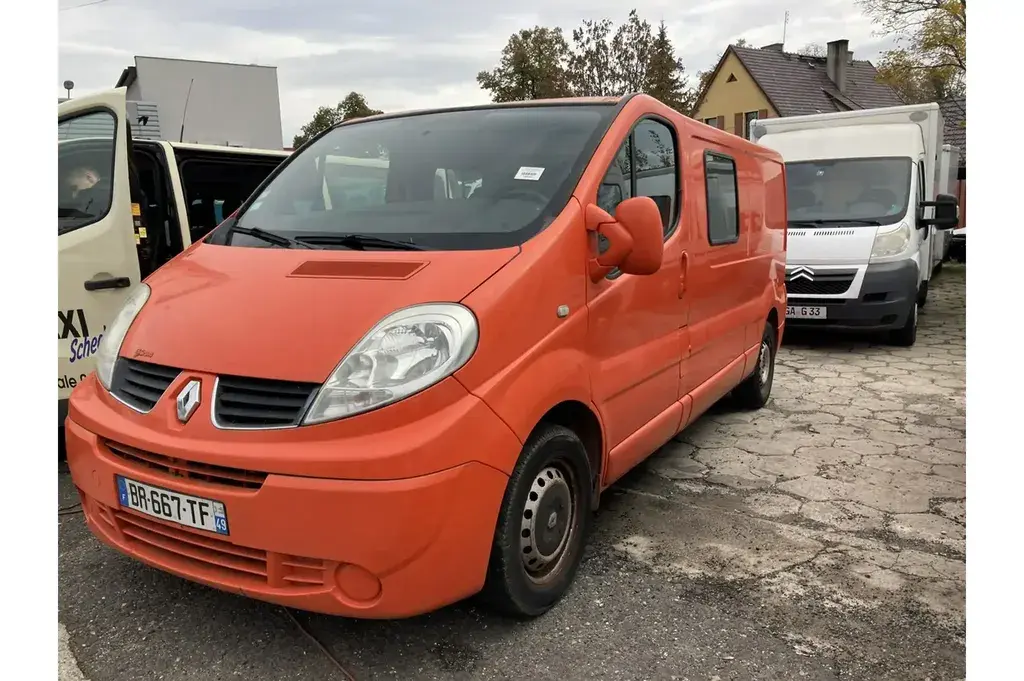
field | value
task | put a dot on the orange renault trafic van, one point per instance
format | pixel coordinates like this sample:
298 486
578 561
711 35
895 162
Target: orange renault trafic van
376 393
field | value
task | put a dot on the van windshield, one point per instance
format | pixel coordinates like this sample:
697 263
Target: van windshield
860 191
453 180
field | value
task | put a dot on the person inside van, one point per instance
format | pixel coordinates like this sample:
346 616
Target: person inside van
84 193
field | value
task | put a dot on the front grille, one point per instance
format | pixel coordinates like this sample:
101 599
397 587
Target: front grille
140 384
191 470
260 403
175 547
826 283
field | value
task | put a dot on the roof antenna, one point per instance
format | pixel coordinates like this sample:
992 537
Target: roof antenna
785 24
181 136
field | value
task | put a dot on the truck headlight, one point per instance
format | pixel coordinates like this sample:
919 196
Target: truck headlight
888 244
406 352
113 337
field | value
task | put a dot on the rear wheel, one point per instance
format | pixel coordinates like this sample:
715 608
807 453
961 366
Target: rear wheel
753 393
542 525
907 334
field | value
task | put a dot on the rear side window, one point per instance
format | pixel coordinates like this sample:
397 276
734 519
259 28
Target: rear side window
723 204
85 169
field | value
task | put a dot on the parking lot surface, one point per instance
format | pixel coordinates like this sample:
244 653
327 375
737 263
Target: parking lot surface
819 538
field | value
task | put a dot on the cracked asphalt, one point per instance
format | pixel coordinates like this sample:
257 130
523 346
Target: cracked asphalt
822 537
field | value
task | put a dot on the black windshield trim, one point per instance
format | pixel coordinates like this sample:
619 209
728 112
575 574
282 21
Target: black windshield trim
481 241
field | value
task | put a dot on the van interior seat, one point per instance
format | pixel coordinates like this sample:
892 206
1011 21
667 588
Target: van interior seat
202 218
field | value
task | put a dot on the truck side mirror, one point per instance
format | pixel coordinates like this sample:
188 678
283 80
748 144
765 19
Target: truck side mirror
944 212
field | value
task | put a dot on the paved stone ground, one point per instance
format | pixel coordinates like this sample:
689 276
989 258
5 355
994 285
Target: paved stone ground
819 538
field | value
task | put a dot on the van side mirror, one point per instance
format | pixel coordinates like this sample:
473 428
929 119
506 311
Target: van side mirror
634 236
944 212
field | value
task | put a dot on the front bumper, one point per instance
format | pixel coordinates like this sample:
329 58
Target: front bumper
359 548
888 292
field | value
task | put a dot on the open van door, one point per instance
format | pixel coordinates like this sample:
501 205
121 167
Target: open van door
96 228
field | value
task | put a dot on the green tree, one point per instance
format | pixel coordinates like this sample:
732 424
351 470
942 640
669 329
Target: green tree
631 48
666 76
532 66
353 106
812 50
929 61
591 71
606 64
916 84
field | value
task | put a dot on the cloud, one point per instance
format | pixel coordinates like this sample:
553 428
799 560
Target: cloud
404 54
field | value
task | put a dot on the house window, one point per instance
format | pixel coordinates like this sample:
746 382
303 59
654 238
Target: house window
713 122
748 119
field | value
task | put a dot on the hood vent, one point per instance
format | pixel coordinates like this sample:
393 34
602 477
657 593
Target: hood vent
833 232
358 269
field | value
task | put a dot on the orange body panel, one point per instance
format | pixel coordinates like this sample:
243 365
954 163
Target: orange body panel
392 512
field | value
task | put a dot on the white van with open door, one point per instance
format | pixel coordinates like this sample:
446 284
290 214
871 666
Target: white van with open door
125 207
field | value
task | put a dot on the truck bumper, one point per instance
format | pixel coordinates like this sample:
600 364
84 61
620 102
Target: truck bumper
887 295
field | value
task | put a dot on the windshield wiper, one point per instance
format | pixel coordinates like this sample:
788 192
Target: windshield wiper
359 242
835 221
271 237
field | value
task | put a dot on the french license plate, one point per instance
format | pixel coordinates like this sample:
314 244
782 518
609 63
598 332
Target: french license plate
184 509
807 311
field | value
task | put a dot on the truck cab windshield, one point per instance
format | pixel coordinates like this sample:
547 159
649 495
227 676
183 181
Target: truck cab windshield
451 180
853 192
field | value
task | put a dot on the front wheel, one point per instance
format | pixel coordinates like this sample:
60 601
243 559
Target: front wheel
906 335
753 393
542 525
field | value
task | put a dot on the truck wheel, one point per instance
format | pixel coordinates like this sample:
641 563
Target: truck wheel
754 391
922 294
542 525
906 335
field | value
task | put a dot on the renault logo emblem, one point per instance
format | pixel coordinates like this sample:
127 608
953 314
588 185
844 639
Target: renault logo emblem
188 400
801 273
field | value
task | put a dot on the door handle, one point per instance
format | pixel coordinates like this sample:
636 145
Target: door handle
113 282
684 267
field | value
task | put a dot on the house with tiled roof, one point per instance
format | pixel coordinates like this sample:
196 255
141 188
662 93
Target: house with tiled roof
768 82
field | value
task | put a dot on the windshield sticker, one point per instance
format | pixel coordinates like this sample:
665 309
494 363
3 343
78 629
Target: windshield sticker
529 173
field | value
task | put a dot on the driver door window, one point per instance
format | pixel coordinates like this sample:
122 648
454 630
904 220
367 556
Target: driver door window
645 165
85 169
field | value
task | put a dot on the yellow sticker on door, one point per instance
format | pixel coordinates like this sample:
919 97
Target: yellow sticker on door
136 210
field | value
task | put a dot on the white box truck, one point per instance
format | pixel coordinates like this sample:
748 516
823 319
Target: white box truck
868 208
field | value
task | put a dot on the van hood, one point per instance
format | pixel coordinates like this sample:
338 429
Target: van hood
289 314
830 245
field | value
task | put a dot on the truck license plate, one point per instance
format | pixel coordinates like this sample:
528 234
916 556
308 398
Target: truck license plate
807 311
184 509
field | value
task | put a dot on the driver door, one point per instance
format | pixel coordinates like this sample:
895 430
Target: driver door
96 229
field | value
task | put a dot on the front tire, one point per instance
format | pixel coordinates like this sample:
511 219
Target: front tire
754 391
542 525
906 335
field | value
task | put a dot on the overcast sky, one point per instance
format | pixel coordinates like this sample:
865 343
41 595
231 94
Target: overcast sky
405 54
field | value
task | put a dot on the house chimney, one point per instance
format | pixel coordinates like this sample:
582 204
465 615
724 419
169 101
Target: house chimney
837 62
774 47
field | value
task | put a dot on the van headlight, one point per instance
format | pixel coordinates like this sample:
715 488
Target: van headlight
408 351
113 337
888 244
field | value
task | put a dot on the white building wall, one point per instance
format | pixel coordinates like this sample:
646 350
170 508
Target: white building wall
232 104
